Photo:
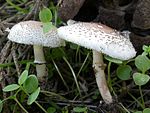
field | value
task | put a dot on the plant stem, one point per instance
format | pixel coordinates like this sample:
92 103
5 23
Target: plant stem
83 64
21 105
143 103
136 100
126 110
99 67
73 73
77 52
34 101
109 78
65 84
40 107
47 93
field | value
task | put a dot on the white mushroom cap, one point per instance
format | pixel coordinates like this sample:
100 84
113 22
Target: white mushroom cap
31 32
98 37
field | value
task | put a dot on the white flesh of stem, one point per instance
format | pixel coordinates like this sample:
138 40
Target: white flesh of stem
40 60
98 66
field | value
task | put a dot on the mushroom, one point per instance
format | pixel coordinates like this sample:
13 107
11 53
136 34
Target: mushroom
101 39
31 32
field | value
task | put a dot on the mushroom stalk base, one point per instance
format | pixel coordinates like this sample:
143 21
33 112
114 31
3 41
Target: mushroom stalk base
99 67
40 63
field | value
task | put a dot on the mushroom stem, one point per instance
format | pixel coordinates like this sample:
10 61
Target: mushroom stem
99 67
39 60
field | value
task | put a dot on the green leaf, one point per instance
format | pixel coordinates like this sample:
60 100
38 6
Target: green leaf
142 62
51 110
114 60
23 77
45 15
31 84
79 109
140 79
1 106
48 26
124 72
11 87
146 110
146 48
33 96
138 112
144 53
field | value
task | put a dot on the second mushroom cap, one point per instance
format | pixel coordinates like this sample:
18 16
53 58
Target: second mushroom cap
99 37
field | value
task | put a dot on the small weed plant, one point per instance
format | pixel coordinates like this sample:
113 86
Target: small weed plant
139 75
28 85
